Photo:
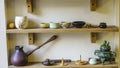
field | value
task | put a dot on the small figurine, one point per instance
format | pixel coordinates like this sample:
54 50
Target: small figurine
80 62
63 63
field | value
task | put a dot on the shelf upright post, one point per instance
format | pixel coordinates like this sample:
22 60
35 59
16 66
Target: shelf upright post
31 38
93 5
93 37
29 6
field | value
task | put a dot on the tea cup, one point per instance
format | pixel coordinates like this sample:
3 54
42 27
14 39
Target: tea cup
65 24
54 25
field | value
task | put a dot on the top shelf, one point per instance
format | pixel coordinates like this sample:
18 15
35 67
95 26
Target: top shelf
61 30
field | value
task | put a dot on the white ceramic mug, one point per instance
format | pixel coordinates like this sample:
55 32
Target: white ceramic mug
21 22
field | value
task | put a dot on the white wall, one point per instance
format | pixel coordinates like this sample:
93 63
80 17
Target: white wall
68 45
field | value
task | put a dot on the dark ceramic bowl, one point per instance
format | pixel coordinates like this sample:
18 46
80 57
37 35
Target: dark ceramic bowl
78 24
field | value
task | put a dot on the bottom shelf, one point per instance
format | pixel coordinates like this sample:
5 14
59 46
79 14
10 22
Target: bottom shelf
70 65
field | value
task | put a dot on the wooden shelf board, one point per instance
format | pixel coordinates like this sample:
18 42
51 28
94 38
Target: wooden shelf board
61 30
93 37
70 65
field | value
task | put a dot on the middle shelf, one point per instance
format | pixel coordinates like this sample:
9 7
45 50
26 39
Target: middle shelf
93 31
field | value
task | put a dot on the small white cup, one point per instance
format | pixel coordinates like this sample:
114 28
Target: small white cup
54 25
21 22
93 61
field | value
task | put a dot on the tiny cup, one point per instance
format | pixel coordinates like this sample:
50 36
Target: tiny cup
65 24
54 25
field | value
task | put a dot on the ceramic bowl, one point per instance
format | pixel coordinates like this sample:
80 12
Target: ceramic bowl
44 25
78 24
65 24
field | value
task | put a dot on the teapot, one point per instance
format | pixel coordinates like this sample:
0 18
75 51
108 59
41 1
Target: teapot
20 58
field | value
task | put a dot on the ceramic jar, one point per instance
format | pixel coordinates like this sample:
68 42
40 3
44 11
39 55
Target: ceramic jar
19 57
103 25
21 22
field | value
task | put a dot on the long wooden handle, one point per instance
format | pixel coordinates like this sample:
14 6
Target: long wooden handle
51 39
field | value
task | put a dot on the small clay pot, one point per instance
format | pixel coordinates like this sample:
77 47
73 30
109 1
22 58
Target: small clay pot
65 24
102 25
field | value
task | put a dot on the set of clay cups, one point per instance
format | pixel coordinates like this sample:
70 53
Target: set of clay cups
50 25
53 25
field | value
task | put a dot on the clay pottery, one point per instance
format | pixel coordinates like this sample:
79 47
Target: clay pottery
92 61
54 25
20 58
44 25
102 25
21 22
65 24
78 24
